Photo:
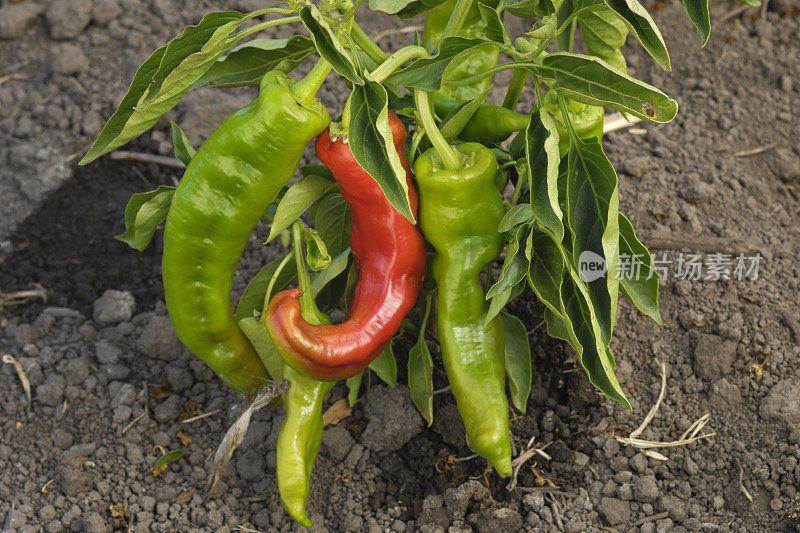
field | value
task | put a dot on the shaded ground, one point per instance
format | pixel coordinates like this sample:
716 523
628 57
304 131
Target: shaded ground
94 373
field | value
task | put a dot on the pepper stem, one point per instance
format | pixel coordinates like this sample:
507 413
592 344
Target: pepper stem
308 307
449 156
457 19
367 45
515 89
306 89
396 60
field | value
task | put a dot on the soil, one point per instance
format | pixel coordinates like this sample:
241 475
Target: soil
110 380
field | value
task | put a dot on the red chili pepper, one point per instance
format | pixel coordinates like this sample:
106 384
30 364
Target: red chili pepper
390 261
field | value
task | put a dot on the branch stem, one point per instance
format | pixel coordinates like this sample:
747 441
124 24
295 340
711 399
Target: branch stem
396 60
449 155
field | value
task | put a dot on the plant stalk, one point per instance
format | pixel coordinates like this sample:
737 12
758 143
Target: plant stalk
367 45
515 89
306 89
457 19
449 156
396 60
308 307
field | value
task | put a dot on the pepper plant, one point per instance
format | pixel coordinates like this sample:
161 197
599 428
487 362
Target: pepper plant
533 181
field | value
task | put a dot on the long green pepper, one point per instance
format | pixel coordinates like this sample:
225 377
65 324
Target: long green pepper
459 214
229 182
299 441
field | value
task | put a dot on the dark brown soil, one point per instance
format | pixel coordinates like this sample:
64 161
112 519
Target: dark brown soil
687 186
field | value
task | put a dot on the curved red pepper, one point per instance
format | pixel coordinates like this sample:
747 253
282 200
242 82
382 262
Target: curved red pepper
390 260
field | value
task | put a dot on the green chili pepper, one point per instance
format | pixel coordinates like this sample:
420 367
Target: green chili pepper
587 120
484 57
493 124
459 214
299 441
229 182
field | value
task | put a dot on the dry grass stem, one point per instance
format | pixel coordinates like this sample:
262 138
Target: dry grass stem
233 438
617 121
692 433
23 377
147 158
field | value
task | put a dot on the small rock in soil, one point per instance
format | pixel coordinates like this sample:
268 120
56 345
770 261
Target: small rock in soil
68 59
457 499
71 476
51 392
337 442
252 465
784 163
713 356
62 439
107 353
724 395
782 403
614 511
393 419
94 523
493 520
448 424
68 18
645 489
169 410
77 371
16 18
104 11
159 340
114 307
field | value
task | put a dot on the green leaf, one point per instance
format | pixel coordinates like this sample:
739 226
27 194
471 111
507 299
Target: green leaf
297 199
252 299
169 457
644 28
164 78
701 18
592 209
317 255
249 62
519 214
413 8
547 271
499 302
515 266
494 29
542 160
256 332
591 81
336 267
328 44
372 144
420 370
184 151
426 74
528 8
595 356
638 277
420 379
385 366
144 213
517 360
751 3
604 33
189 56
353 386
453 124
331 218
